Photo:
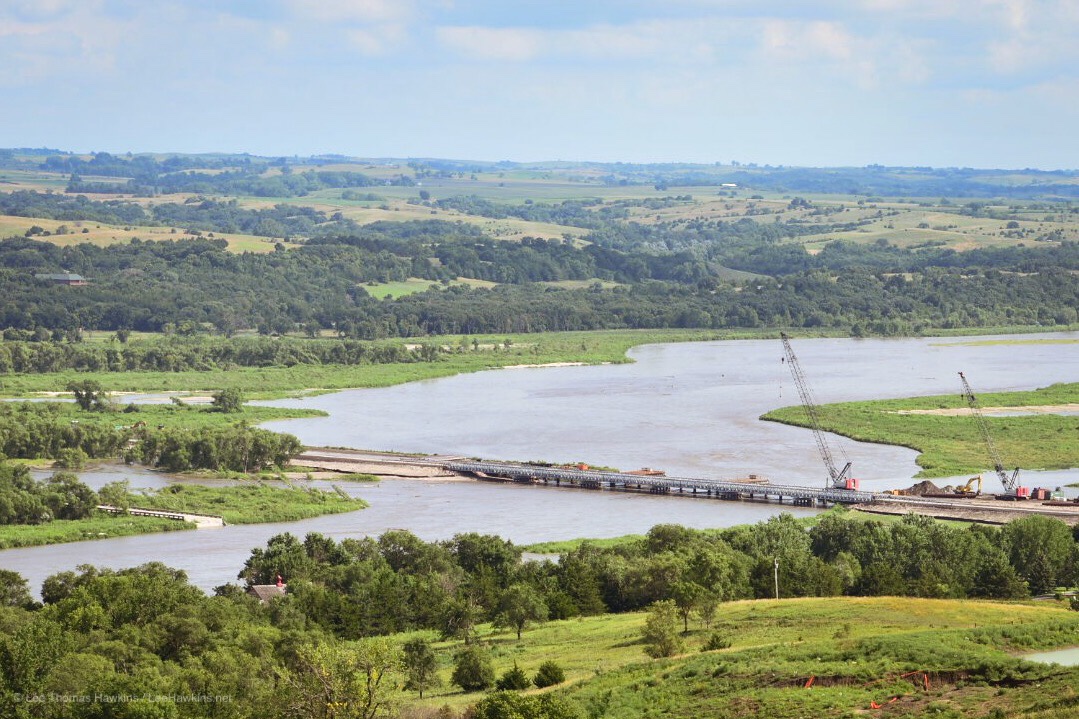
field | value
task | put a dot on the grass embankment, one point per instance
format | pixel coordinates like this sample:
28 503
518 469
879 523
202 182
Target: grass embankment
252 503
951 444
857 649
100 526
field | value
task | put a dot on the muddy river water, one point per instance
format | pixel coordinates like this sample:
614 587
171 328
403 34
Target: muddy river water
690 409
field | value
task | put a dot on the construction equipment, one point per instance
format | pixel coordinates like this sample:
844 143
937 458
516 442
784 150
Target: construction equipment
967 490
1011 483
838 478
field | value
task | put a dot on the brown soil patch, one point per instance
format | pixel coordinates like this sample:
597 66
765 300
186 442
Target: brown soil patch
965 411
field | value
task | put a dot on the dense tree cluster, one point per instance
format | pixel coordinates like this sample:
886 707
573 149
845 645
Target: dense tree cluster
574 213
45 430
32 430
25 500
192 285
399 583
142 635
237 448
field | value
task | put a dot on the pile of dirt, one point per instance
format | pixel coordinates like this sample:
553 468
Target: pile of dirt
920 489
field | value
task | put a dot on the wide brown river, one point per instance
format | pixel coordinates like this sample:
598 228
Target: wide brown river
690 409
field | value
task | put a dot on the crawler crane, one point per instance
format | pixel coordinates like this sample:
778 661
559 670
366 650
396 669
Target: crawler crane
1011 483
838 478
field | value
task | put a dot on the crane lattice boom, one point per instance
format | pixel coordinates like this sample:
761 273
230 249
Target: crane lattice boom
1010 483
838 477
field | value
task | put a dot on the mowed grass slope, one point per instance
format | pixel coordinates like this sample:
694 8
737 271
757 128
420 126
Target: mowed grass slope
856 649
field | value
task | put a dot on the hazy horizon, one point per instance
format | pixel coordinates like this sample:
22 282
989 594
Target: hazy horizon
842 83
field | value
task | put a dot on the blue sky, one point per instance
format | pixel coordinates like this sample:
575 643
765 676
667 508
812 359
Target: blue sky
972 83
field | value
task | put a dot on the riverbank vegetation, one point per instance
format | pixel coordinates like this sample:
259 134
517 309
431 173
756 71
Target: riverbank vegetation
469 613
98 526
246 503
947 437
431 358
60 508
174 437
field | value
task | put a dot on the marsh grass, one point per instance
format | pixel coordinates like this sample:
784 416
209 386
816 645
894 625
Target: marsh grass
249 503
100 526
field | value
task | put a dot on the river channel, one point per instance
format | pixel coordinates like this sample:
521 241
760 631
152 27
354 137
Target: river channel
690 409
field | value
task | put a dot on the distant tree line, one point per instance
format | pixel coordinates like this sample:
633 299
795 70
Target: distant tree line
149 171
189 286
204 215
200 353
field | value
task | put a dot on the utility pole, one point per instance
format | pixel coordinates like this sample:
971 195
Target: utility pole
777 578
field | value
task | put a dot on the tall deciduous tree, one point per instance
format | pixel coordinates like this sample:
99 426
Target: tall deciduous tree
421 666
660 634
520 604
338 681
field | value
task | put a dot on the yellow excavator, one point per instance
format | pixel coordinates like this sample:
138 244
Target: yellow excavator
968 490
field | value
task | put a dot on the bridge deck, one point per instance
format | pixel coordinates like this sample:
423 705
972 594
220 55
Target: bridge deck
724 489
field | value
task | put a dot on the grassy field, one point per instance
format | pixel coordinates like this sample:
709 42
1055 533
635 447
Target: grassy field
951 444
101 526
101 234
249 503
856 649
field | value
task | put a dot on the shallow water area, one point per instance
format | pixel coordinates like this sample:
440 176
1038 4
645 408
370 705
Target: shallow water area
1065 657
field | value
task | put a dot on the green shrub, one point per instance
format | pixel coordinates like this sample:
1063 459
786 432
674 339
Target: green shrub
716 641
513 680
549 674
472 669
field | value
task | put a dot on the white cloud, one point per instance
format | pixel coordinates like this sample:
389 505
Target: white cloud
666 41
65 38
795 40
488 43
355 11
378 39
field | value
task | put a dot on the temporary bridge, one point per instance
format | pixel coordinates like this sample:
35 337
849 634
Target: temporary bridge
705 488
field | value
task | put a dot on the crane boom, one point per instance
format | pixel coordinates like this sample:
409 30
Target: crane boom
839 477
1010 483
